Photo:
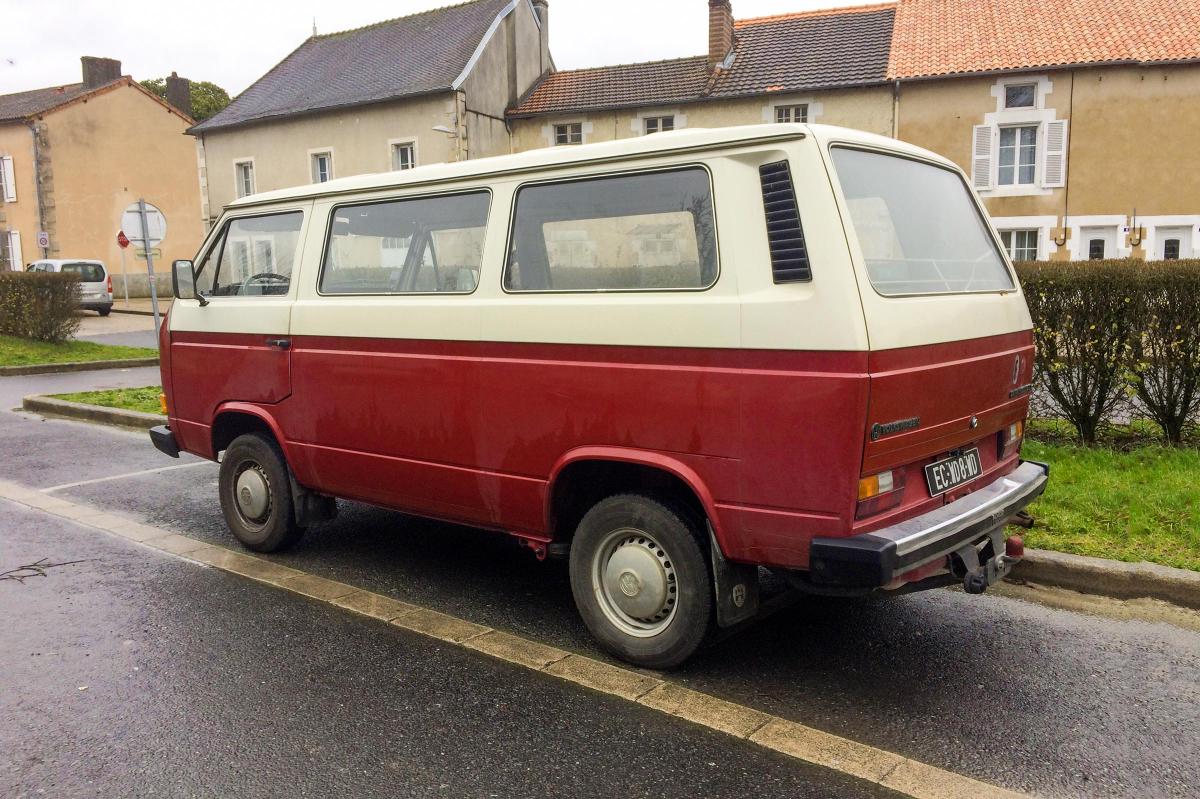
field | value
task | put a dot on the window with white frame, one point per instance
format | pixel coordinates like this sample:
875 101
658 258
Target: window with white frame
322 167
1021 147
8 182
1022 245
244 177
568 133
791 113
658 124
1018 155
404 155
1020 95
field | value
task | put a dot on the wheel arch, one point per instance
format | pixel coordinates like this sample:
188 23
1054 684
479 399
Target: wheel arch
233 419
623 469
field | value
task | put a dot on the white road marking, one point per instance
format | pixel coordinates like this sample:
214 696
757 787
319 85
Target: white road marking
123 476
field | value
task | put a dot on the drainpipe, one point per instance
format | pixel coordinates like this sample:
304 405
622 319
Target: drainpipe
896 109
37 183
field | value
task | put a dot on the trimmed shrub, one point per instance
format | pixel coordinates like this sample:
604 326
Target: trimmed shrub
1165 348
1083 317
1110 330
39 305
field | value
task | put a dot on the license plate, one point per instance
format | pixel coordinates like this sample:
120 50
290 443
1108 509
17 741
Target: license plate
952 472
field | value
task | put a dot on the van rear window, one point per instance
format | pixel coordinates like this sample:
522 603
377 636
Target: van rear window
622 233
919 230
421 245
88 273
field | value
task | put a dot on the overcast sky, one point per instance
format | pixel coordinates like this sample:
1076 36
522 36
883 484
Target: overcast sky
233 42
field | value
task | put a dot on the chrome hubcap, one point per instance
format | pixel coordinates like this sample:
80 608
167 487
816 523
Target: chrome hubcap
634 582
253 493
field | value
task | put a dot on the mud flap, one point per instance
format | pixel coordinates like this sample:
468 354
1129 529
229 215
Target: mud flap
311 507
736 586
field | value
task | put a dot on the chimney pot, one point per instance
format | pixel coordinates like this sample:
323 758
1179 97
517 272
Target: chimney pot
720 32
99 71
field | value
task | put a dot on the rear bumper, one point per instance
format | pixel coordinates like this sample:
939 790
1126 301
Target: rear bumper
876 559
164 440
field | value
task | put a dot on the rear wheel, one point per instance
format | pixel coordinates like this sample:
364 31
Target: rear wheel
256 494
104 311
641 580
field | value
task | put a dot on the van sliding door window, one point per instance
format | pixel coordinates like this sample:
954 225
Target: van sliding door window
253 256
424 245
620 233
919 230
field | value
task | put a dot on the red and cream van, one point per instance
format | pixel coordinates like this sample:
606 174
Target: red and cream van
672 359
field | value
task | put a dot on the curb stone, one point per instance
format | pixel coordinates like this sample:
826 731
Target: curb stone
1111 578
75 366
92 413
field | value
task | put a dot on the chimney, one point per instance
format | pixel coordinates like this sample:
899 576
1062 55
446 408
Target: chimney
720 32
542 9
179 93
99 71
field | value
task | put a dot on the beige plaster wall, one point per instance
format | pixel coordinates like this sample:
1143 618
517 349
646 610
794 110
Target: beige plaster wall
16 141
100 156
868 109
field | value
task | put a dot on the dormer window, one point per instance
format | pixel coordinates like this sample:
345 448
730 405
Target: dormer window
1020 95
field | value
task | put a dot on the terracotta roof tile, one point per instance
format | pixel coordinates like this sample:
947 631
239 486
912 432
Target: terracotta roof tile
787 52
947 37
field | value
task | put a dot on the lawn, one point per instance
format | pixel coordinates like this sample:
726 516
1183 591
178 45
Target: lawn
23 352
130 399
1140 504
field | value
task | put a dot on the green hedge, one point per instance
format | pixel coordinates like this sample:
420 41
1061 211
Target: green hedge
39 305
1108 332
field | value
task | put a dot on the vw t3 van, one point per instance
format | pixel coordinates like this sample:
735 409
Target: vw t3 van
671 359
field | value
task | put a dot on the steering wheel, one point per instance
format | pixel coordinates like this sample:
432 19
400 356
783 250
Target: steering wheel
266 277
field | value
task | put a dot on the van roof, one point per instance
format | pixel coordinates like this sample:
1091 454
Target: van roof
61 261
675 141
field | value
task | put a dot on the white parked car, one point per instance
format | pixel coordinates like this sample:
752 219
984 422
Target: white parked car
95 284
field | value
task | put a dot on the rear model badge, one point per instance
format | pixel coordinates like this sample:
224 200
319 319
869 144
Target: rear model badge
878 430
1016 375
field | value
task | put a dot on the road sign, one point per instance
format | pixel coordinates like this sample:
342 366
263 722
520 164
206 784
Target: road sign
122 239
156 223
154 252
43 239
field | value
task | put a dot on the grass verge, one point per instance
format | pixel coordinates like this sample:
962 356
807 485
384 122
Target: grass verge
129 399
1135 505
23 352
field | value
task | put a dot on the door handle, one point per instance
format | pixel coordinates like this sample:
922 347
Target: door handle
281 343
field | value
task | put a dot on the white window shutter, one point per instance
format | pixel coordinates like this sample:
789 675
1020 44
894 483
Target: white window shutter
1055 171
8 179
981 157
14 251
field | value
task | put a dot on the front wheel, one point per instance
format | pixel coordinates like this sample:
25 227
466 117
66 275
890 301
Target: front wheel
256 494
641 580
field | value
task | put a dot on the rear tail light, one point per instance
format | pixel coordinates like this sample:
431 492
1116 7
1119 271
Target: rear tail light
879 492
110 284
1010 439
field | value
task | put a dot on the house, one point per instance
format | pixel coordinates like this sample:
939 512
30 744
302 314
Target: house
74 157
426 88
1076 120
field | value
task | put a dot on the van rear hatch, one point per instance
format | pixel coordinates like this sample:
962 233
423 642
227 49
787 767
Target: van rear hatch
950 335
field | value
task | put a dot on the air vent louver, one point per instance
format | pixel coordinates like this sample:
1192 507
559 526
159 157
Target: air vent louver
789 256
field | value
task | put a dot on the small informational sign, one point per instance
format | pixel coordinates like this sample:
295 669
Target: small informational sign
155 252
156 225
122 239
43 239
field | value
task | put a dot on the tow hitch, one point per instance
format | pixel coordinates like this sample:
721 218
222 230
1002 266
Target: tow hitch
987 561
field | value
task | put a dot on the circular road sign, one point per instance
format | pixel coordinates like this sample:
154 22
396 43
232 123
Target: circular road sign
131 224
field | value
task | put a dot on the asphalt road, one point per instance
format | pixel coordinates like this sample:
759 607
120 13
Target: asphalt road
1045 701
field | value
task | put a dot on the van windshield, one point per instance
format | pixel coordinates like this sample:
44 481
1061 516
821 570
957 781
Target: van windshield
88 273
918 228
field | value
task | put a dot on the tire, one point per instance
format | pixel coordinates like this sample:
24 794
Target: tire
641 580
104 311
265 521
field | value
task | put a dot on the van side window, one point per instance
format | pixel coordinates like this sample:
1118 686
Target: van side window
423 245
253 256
620 233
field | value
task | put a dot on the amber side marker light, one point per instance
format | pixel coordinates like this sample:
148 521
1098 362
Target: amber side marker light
879 492
162 402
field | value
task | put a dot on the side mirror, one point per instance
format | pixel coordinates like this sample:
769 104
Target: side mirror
183 281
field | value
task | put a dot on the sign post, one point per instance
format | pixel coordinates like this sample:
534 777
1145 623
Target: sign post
123 242
149 227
